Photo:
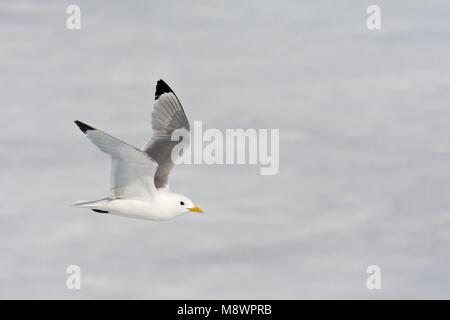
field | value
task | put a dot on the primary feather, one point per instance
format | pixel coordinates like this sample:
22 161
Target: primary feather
167 116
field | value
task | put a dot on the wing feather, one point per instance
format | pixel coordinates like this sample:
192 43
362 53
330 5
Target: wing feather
132 171
167 116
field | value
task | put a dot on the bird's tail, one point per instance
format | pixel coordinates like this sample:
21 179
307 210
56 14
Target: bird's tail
96 205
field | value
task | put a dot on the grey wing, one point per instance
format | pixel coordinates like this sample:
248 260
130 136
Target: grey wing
167 116
132 170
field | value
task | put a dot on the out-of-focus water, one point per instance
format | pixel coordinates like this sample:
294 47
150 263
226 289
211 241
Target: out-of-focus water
364 148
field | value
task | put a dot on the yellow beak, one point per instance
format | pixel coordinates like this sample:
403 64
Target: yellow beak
196 209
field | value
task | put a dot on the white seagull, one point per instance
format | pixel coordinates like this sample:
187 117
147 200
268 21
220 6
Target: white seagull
140 178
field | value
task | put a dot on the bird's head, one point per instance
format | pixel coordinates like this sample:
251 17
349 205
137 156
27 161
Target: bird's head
179 204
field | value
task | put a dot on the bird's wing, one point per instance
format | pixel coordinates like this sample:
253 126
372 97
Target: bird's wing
167 116
132 169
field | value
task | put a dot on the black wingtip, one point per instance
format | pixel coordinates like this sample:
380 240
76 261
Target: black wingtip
100 211
83 126
161 88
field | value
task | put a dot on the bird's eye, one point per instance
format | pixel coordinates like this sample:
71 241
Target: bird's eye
182 203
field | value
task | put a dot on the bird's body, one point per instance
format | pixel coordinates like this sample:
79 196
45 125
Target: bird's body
156 208
140 177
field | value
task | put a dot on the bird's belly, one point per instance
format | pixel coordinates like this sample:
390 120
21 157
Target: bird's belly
137 209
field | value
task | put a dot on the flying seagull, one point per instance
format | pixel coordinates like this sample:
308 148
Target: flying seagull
140 177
